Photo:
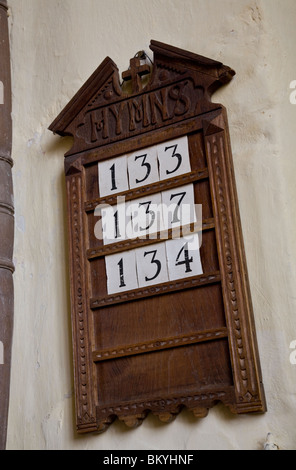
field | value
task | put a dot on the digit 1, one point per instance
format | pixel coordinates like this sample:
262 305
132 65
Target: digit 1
112 169
117 234
121 277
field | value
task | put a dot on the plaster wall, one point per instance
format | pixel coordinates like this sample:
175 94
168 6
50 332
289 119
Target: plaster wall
55 46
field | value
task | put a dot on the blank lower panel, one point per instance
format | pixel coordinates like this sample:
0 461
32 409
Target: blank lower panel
160 374
164 316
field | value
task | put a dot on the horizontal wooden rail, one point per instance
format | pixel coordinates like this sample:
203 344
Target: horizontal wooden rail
149 189
159 344
159 289
132 243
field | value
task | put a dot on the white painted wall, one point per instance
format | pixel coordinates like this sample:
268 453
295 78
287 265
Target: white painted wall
55 46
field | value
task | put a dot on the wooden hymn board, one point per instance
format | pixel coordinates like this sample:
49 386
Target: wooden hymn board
161 309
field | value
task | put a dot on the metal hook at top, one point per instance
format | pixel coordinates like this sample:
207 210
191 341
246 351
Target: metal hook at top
142 55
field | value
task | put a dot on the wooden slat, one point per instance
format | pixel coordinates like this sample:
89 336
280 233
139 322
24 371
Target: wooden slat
133 243
149 189
159 289
159 344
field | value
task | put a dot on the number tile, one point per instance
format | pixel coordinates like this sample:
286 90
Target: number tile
152 264
143 167
173 158
178 206
121 272
116 223
146 214
113 177
183 257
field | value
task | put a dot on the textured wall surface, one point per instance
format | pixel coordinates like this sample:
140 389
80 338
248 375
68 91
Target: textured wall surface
55 46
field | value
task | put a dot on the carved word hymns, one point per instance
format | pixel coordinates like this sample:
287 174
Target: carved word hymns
134 114
160 302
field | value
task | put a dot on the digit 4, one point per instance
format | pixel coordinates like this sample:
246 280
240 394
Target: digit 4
186 259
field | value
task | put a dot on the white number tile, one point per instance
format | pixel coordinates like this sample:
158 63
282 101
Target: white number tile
121 272
183 257
178 206
116 223
173 158
113 177
146 215
143 167
152 264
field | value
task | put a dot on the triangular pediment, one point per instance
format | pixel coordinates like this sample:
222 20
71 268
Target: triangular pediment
178 78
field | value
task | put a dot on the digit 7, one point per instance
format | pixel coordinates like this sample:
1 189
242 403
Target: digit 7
175 217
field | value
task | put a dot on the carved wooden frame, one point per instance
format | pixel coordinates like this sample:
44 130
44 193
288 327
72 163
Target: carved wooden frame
199 77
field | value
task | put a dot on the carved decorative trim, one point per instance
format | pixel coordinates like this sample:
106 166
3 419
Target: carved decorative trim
169 68
106 93
166 408
233 273
161 404
215 146
165 288
159 344
82 360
